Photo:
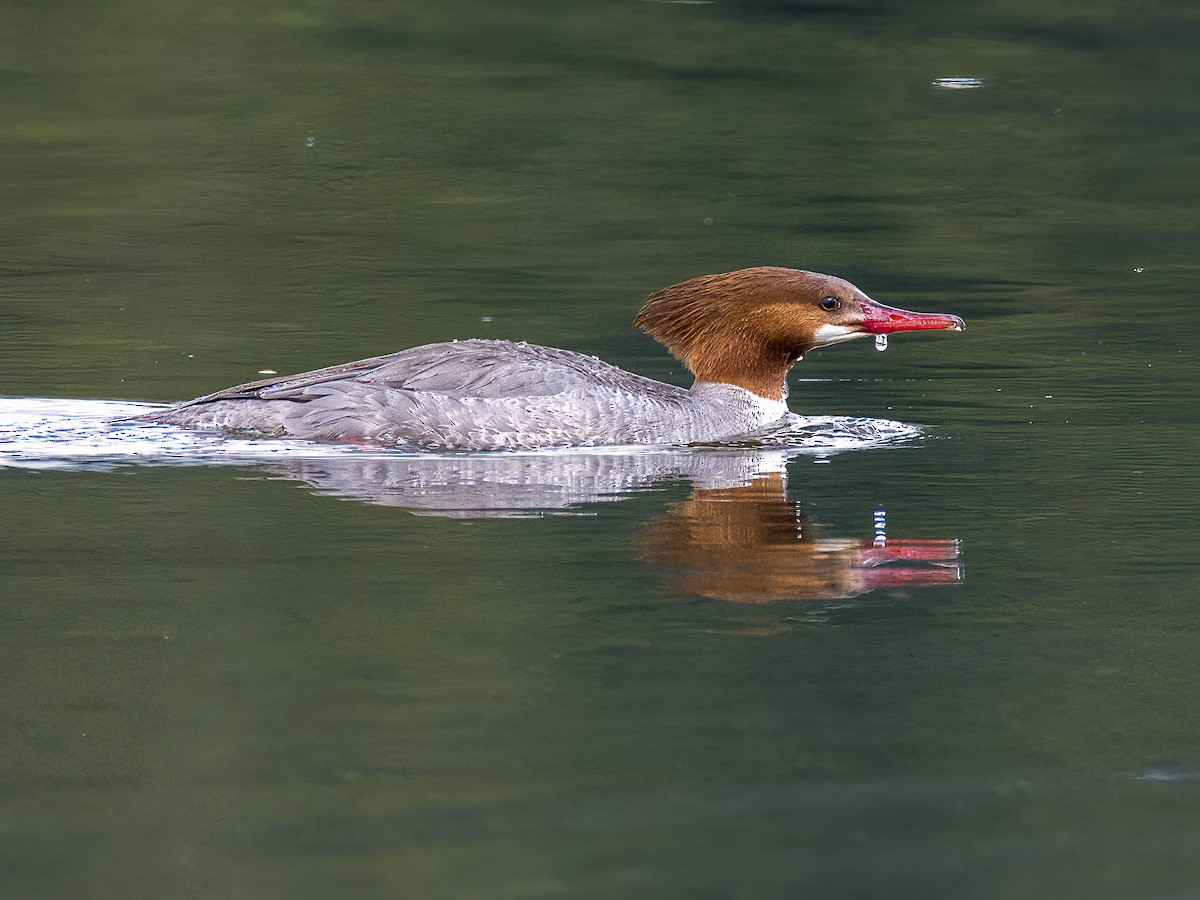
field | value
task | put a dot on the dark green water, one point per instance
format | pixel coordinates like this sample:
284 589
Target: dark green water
222 681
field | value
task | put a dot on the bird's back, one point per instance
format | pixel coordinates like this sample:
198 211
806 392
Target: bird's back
474 394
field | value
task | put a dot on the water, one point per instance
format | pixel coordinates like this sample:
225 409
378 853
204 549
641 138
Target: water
953 659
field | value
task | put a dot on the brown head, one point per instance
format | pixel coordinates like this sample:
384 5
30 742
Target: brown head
750 326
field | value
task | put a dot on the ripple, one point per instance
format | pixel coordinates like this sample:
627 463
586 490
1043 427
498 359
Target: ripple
38 433
842 433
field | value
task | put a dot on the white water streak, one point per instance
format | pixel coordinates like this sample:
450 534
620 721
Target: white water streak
90 434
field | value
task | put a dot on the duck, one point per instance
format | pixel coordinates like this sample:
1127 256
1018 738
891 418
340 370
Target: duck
739 334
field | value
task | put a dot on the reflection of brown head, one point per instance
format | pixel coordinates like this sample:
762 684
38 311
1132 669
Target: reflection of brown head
748 545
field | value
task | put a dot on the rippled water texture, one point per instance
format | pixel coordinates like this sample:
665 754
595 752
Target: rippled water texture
856 658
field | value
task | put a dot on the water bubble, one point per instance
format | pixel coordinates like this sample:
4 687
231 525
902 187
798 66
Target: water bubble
708 220
310 141
881 342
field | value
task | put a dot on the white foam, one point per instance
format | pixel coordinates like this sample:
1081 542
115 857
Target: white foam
93 434
40 433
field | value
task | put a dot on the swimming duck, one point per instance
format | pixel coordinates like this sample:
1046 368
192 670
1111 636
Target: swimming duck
739 333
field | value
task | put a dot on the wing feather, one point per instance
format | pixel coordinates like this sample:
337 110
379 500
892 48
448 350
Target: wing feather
473 368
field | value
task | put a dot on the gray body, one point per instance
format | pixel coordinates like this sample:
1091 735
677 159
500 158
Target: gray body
480 395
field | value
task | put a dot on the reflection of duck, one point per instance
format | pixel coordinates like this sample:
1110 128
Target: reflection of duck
735 538
505 485
739 333
749 545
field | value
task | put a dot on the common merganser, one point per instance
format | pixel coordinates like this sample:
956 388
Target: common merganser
738 333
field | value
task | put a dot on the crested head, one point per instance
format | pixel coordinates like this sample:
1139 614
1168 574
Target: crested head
749 327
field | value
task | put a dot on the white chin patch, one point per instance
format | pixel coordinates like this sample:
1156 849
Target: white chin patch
835 334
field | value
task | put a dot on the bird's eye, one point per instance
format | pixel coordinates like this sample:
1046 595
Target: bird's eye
829 304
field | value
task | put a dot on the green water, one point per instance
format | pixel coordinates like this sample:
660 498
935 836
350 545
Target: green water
222 681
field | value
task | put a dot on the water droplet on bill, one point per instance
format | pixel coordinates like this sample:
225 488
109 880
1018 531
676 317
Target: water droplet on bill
881 342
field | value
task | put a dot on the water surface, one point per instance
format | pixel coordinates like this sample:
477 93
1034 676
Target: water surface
961 665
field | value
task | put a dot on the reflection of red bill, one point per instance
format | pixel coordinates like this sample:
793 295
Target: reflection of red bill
913 550
894 577
884 565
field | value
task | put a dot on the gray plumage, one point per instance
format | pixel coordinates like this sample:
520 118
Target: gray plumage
480 395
